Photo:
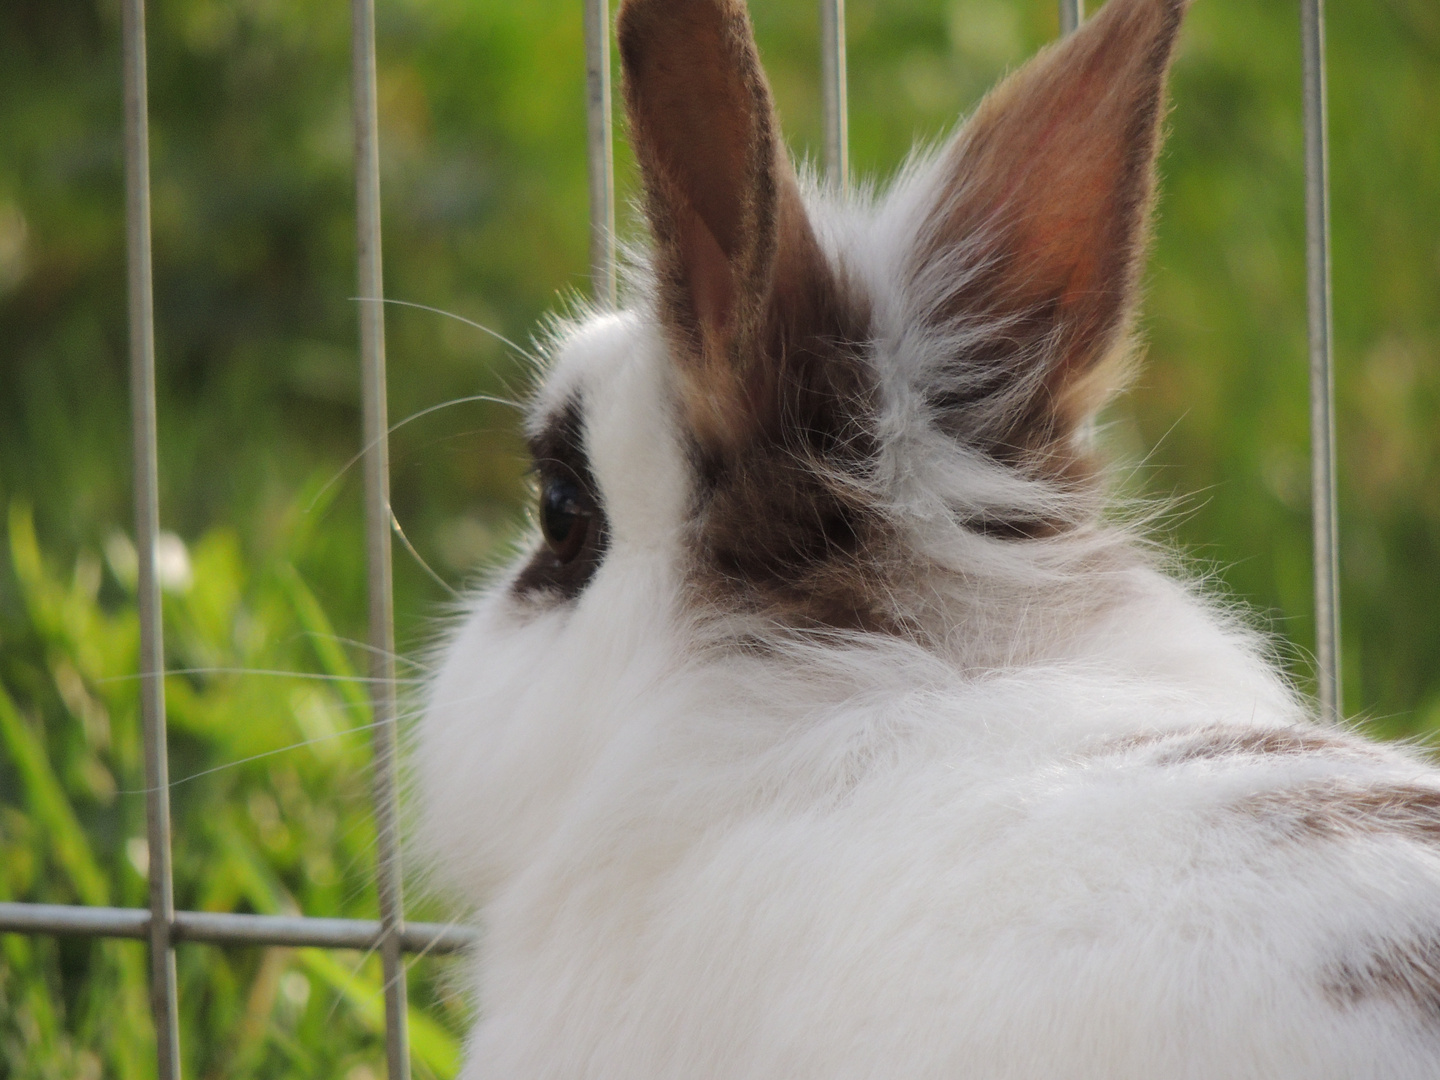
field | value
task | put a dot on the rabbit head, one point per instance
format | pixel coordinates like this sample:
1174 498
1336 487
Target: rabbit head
822 421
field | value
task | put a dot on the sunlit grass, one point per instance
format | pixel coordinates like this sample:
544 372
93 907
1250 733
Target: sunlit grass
270 776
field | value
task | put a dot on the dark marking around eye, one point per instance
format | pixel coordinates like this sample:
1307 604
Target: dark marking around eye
572 522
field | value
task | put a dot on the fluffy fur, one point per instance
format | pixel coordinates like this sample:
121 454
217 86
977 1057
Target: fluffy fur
846 738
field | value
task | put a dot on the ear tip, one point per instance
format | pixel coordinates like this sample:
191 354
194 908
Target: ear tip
1132 32
1167 13
635 13
630 22
1173 13
638 20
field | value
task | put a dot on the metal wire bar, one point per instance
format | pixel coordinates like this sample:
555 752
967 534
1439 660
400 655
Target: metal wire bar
600 150
1322 377
70 919
163 996
1072 13
834 107
220 928
377 534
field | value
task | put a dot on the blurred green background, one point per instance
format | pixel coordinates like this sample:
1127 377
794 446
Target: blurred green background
485 216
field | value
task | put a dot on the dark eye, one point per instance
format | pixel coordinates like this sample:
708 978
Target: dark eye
564 516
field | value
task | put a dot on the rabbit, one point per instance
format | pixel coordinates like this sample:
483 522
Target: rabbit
830 725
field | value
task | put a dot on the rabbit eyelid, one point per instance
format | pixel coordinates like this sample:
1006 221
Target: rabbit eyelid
554 572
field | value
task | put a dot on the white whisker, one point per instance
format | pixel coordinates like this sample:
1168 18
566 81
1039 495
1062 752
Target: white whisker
255 757
405 543
468 399
273 672
524 353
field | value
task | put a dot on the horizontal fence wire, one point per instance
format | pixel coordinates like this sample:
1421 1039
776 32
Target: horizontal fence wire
223 928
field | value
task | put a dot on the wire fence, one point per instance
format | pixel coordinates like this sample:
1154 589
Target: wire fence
160 924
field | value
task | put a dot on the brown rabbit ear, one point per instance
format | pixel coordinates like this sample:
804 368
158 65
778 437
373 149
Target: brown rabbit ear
1039 228
735 255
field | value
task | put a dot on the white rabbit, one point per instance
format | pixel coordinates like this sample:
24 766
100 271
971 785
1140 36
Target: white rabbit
830 730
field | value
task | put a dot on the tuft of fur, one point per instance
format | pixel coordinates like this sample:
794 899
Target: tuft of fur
854 740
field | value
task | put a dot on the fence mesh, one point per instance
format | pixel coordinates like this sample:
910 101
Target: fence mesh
160 924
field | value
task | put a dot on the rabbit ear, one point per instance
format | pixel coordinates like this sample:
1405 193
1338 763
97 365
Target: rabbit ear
740 274
1031 249
766 338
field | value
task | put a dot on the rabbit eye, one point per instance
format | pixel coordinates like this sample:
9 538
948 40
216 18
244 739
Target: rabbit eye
564 517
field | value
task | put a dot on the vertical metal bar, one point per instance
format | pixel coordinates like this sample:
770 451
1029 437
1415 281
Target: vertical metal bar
834 106
377 533
1072 13
163 998
600 150
1322 377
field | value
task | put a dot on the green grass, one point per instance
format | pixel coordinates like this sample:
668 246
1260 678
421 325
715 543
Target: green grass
271 815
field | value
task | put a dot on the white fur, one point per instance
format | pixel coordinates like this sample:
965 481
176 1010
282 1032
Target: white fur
870 857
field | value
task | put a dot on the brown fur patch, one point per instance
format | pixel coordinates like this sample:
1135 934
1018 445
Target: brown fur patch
1223 741
1285 742
1051 183
1341 809
1407 973
782 522
1220 741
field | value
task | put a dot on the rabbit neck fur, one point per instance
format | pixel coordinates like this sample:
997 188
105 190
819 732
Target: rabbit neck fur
831 730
